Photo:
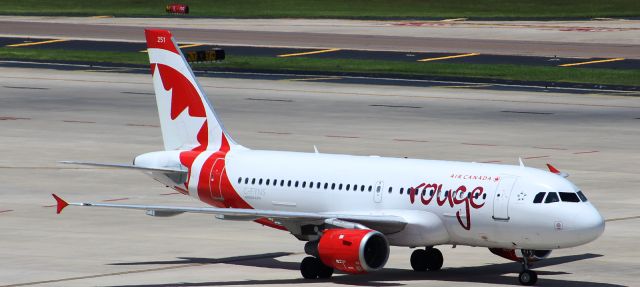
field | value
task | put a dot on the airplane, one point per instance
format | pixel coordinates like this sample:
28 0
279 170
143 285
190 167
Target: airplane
350 209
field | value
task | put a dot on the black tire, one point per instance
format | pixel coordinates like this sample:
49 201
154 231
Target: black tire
324 271
528 277
309 267
419 260
434 259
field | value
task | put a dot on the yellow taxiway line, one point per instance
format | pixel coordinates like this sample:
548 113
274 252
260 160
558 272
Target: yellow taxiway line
591 62
312 79
37 43
179 46
308 53
448 57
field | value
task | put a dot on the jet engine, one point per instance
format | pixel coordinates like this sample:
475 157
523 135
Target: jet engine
518 254
351 250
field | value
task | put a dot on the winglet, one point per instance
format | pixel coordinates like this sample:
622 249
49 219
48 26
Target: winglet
61 203
556 171
553 169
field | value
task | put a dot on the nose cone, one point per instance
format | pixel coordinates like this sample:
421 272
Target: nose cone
587 225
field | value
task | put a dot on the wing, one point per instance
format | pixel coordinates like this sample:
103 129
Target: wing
130 166
389 223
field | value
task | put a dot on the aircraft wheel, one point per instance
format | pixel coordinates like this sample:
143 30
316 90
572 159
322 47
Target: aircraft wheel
528 277
434 259
419 260
310 267
324 271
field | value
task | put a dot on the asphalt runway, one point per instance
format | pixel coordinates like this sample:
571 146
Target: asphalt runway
52 115
259 51
529 39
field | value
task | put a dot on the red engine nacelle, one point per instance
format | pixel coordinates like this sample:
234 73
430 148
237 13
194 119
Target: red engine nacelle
517 254
353 250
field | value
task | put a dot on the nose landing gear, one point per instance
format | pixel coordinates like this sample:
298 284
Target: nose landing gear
426 259
527 277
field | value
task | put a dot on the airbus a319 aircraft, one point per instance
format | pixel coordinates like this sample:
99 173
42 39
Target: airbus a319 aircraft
350 209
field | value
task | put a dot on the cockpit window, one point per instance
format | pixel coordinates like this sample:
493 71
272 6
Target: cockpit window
538 197
552 197
569 197
582 197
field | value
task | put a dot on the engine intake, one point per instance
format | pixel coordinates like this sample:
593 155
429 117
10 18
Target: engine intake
353 250
518 254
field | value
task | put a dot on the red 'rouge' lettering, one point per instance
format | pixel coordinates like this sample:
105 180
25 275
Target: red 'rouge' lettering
460 197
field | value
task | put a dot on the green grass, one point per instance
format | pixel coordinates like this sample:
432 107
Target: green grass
335 8
73 55
488 71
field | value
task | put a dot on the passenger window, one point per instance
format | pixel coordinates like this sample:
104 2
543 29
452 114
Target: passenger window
551 197
239 179
333 186
311 184
267 183
282 182
355 187
275 182
246 180
390 189
378 188
370 188
296 184
582 197
569 197
401 190
289 183
318 185
326 185
304 184
340 186
362 188
253 181
539 197
260 182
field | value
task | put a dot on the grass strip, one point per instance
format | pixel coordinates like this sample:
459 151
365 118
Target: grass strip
73 55
385 9
376 67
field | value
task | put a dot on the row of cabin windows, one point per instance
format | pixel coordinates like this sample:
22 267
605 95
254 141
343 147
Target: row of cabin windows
304 184
333 186
564 196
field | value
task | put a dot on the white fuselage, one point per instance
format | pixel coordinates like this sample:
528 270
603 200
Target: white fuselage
475 204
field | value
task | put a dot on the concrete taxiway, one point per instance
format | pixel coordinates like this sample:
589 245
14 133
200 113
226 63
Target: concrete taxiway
52 115
588 39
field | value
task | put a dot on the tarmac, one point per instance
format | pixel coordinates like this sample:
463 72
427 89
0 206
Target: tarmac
51 115
585 39
285 52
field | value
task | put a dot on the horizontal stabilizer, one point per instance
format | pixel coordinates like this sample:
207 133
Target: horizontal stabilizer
129 166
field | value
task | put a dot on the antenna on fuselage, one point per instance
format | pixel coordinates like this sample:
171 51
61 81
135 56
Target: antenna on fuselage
315 149
521 163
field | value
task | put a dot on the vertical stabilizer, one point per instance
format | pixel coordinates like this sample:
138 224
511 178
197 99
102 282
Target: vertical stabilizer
187 119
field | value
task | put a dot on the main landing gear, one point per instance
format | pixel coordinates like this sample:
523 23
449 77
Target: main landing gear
527 277
312 268
426 259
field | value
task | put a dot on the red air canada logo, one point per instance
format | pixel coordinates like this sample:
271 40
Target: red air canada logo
463 197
